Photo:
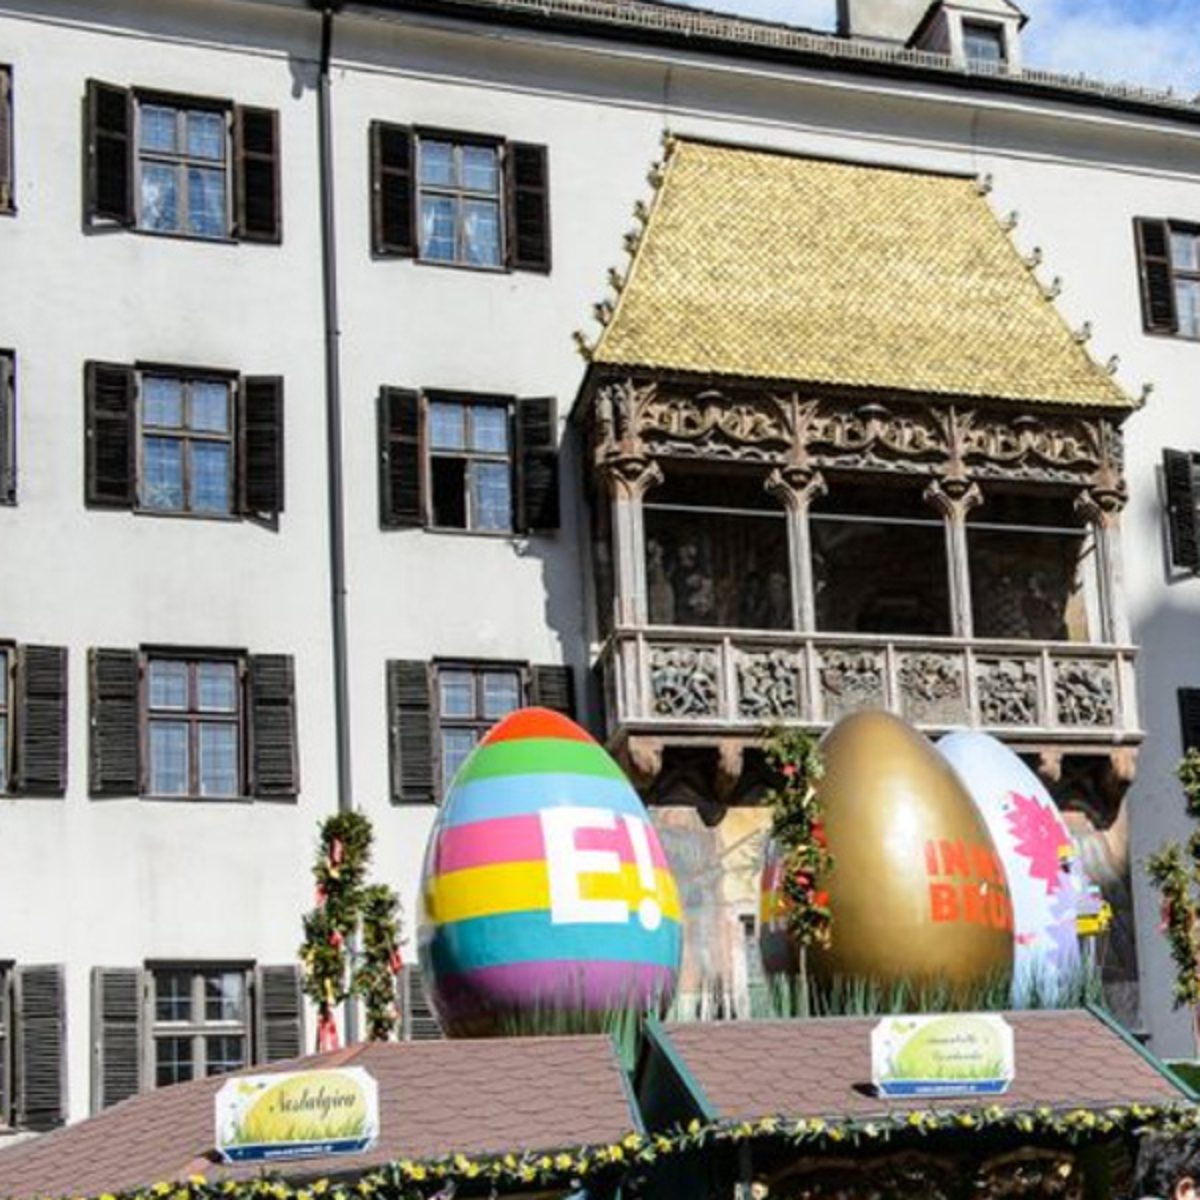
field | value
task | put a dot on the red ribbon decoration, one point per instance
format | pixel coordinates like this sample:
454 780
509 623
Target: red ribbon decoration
327 1033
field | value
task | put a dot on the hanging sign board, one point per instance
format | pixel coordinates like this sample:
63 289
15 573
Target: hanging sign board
295 1114
959 1054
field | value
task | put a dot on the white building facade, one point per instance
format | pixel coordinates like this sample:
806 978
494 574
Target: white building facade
227 224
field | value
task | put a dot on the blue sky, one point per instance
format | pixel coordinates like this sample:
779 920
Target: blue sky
1151 42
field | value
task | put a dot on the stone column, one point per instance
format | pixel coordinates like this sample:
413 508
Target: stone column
1101 508
954 497
796 487
628 481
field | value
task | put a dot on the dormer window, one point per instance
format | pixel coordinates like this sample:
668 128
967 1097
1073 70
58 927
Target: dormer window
983 43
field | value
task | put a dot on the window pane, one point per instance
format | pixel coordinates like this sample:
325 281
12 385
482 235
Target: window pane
159 128
211 463
162 401
457 745
480 169
437 228
218 759
160 197
1187 302
437 163
206 135
168 758
448 485
481 233
446 426
501 694
172 995
173 1060
210 406
983 43
162 487
224 1053
489 428
224 996
216 687
3 753
491 496
168 684
1185 250
206 202
458 693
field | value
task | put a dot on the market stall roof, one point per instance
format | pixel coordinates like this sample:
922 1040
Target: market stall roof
746 1070
478 1098
763 265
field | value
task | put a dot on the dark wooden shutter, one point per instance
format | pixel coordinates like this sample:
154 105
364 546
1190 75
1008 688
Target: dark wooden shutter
279 1018
276 769
256 174
552 686
110 153
6 141
117 1012
8 430
537 465
39 1047
410 729
393 191
528 186
401 498
418 1022
261 468
1157 276
41 720
1189 717
1179 479
109 397
115 757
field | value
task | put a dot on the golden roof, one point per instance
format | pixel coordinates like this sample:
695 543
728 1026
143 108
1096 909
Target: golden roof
765 265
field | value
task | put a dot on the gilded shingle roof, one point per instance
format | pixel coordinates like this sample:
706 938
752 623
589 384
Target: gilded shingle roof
766 265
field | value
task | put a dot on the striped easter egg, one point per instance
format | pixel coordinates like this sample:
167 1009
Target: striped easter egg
547 903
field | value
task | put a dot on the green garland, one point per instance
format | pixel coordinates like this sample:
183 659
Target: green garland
411 1179
799 831
342 901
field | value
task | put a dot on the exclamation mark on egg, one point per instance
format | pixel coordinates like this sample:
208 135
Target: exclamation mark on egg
649 911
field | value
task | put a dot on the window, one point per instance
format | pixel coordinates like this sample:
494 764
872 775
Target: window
487 464
33 720
6 141
437 713
1169 263
5 723
179 441
194 727
457 198
200 1024
983 43
183 169
470 701
186 444
181 165
8 428
1181 485
470 465
459 188
212 725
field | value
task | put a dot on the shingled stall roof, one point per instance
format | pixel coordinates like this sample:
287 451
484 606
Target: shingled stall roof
743 1071
477 1098
764 265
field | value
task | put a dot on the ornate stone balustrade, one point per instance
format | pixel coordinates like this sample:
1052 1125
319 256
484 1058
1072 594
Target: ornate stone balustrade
663 682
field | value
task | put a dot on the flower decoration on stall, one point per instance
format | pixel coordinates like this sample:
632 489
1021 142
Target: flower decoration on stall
797 827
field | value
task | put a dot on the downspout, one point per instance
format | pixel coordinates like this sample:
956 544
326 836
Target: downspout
333 440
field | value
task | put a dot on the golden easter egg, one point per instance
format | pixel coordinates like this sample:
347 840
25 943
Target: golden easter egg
917 892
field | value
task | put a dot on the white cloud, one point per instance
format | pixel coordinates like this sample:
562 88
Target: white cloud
810 14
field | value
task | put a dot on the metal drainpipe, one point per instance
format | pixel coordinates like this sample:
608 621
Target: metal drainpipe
333 439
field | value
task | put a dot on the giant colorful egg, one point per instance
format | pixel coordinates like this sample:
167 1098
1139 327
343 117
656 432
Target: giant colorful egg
1044 879
917 891
547 901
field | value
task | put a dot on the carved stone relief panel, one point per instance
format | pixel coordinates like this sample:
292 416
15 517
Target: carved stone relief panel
684 681
1008 691
1085 692
851 680
768 685
932 688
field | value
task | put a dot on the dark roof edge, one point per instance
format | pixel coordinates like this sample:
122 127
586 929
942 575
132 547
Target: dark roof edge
1106 1018
645 23
661 1039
